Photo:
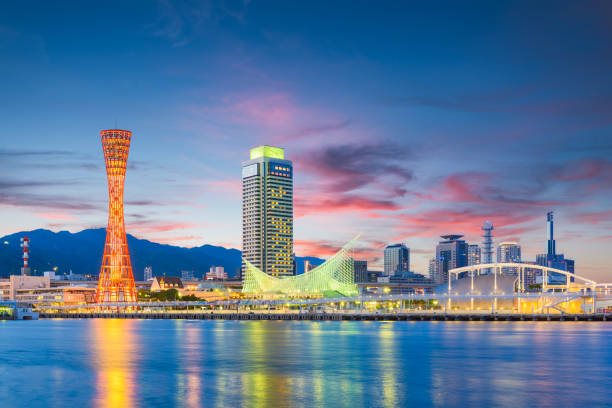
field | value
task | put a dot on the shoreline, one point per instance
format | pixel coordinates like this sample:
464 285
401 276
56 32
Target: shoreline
599 317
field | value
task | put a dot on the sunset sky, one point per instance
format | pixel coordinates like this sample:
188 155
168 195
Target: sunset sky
403 122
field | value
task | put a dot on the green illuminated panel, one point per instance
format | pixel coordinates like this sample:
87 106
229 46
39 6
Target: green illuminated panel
267 151
334 275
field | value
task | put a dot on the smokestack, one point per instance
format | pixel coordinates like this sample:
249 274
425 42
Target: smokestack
25 244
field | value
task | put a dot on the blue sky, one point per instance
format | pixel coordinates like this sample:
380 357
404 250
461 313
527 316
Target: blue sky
404 121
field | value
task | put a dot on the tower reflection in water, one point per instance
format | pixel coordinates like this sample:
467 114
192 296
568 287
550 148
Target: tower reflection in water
311 364
189 378
114 347
264 384
388 364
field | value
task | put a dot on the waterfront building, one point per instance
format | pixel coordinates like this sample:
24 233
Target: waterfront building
148 273
487 245
51 275
308 266
116 281
373 276
77 276
552 259
334 277
509 252
451 253
474 254
187 275
397 260
267 211
531 274
432 268
57 295
360 270
15 283
166 282
216 273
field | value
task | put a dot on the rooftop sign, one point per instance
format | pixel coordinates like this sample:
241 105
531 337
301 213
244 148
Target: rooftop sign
267 151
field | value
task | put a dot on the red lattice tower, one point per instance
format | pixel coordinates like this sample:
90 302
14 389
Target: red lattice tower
116 282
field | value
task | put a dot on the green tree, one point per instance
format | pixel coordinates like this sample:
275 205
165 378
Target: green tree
166 295
144 294
190 298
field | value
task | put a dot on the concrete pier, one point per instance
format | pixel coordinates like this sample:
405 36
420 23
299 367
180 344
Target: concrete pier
331 316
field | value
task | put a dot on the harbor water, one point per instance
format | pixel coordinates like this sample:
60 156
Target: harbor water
162 363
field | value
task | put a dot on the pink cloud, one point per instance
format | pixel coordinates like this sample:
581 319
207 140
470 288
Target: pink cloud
270 110
175 240
315 248
325 249
433 223
464 186
148 227
56 215
344 203
584 169
594 218
233 187
276 110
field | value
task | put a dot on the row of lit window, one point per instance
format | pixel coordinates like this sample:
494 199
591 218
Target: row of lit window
115 139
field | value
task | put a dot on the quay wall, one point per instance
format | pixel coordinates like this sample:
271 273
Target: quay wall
333 316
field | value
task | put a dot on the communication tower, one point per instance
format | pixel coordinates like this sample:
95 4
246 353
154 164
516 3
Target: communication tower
116 281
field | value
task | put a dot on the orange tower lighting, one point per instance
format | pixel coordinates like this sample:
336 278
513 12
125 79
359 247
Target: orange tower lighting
116 282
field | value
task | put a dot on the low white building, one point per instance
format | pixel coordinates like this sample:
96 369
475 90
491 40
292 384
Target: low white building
216 273
9 287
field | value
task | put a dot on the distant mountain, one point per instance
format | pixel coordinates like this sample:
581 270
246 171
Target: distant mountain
82 253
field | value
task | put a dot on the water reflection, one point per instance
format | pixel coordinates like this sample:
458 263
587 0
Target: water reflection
317 383
113 345
508 364
125 363
388 364
189 376
263 384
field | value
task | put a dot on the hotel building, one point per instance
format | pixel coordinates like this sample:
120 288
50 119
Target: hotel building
267 211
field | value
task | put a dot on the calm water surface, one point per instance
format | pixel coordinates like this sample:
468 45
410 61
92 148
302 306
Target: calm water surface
151 363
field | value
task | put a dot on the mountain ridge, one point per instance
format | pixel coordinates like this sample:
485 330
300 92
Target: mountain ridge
81 253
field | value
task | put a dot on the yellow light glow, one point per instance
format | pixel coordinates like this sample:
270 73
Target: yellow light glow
267 151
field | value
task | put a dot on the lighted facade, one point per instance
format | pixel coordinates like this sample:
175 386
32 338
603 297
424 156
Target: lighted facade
509 252
397 260
474 254
451 253
267 211
486 286
336 275
116 281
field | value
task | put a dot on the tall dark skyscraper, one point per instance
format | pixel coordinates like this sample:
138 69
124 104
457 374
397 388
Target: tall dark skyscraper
451 253
552 259
397 260
361 271
267 211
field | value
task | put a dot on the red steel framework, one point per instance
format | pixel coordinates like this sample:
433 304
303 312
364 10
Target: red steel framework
116 282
